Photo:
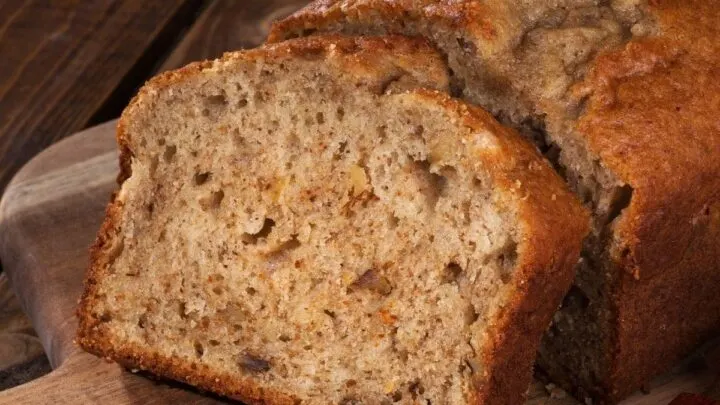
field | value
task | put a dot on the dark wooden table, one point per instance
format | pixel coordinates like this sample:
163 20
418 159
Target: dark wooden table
66 65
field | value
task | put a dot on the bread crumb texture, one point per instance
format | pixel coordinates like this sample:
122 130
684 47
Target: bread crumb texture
298 225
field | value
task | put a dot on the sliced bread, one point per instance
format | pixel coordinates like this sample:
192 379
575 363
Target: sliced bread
623 97
317 222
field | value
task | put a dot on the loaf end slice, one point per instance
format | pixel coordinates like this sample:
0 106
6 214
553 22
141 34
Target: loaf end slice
316 222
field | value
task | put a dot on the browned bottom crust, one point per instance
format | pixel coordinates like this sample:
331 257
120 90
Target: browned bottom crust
137 358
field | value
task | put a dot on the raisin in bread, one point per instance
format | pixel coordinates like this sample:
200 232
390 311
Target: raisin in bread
317 222
622 96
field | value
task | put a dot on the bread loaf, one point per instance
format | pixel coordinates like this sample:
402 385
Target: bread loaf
317 222
623 97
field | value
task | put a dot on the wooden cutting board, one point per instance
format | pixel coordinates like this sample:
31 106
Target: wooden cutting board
48 218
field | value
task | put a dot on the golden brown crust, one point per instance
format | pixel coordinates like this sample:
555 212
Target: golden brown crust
357 56
651 115
552 227
141 358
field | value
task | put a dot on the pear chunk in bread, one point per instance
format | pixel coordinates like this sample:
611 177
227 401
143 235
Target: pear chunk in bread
317 222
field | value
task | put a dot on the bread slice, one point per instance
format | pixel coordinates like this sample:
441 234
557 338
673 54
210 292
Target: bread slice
622 96
314 222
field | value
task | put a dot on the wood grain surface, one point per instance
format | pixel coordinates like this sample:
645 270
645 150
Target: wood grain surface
21 354
63 61
18 341
48 218
228 25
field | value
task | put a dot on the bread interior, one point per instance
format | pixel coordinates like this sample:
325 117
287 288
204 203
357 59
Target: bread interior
283 226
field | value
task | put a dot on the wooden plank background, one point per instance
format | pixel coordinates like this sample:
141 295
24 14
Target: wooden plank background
64 61
229 25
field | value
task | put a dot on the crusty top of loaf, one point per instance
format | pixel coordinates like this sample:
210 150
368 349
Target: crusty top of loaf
375 60
647 108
